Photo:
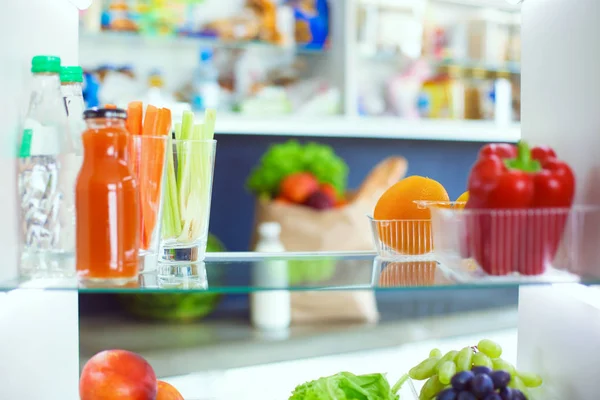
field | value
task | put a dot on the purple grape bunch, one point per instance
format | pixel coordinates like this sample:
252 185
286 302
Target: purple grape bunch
481 383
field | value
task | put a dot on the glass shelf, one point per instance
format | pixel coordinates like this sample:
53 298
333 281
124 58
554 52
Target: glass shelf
133 40
251 272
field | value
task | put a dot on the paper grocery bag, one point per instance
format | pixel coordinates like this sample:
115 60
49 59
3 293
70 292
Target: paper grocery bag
304 229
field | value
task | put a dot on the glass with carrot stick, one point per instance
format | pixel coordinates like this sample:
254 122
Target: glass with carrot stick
147 158
147 161
107 203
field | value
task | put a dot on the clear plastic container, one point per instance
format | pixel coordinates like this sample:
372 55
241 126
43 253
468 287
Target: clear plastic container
402 239
515 244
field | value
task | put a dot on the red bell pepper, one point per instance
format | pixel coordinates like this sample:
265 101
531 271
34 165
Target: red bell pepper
503 150
509 226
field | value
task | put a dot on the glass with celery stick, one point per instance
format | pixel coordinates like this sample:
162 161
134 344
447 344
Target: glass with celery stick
186 215
148 144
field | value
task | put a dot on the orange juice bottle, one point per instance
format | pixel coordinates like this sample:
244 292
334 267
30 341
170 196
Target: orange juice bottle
107 203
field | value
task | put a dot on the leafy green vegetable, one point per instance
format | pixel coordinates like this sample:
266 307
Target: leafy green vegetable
285 159
181 307
347 386
310 271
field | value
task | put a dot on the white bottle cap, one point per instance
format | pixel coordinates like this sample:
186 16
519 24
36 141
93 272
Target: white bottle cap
269 230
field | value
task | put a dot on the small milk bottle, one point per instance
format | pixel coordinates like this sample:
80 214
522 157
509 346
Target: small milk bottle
270 309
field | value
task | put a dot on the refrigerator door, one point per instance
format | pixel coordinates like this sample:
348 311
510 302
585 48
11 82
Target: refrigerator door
559 92
38 329
559 326
27 28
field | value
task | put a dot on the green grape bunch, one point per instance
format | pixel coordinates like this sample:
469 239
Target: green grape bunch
439 369
291 157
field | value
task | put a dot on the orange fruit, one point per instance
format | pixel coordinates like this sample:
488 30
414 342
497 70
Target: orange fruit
402 224
166 391
463 198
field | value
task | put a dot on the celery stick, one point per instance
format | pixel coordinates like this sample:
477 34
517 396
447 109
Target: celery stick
177 149
205 170
185 175
188 193
178 131
173 208
201 191
178 137
187 125
168 227
210 117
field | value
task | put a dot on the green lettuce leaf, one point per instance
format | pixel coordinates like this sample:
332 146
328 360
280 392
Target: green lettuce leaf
346 386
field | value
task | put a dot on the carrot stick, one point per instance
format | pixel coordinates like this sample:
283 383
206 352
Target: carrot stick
149 127
157 123
135 111
110 106
163 123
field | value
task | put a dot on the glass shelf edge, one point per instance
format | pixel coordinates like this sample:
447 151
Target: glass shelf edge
248 272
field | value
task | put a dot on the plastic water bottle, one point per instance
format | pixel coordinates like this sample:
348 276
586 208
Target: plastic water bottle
48 169
270 309
206 83
71 80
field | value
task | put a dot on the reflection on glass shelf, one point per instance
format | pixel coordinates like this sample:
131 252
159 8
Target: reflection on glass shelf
133 40
250 272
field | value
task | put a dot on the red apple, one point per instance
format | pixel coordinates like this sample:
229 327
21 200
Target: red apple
298 187
166 391
117 375
281 200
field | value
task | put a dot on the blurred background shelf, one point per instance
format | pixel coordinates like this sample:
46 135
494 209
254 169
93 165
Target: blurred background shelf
404 58
428 80
370 127
508 5
131 40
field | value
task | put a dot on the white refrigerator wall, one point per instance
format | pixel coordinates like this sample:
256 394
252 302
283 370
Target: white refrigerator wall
38 329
